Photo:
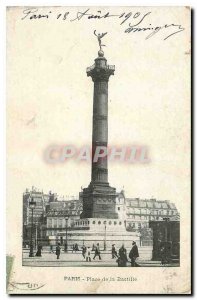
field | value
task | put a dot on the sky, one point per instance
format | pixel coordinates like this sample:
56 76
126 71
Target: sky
50 99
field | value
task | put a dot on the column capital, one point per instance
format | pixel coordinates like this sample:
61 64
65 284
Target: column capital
100 71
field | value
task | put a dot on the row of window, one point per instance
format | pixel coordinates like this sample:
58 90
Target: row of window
135 203
145 217
56 223
154 212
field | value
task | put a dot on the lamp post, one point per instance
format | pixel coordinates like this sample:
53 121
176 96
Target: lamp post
105 236
32 205
66 243
36 239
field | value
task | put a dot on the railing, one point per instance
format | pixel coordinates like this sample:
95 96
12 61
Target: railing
90 68
109 67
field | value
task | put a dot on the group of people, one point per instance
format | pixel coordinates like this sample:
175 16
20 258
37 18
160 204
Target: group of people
133 255
75 248
86 252
121 255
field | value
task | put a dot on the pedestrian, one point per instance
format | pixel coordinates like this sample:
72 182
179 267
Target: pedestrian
163 255
73 248
39 251
83 250
114 252
133 255
87 254
122 259
58 249
51 248
97 252
93 247
76 247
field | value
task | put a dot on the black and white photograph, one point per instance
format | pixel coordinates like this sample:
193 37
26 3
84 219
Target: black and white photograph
98 147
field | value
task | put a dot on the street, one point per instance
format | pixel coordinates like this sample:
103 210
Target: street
76 260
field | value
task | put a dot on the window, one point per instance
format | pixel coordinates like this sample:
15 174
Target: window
93 222
109 222
55 223
60 222
118 208
99 222
120 223
115 222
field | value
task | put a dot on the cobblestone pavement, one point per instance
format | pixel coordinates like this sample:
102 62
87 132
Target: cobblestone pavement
76 260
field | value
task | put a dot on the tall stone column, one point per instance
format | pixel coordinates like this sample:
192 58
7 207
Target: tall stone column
99 197
100 76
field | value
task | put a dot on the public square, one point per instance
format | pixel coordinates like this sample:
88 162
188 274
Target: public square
49 259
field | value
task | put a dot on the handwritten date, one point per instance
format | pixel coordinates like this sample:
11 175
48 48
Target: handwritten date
137 20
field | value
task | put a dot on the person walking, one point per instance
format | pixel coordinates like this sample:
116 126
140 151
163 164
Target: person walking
134 254
163 255
87 254
97 252
122 259
51 248
83 251
76 247
114 252
58 249
39 251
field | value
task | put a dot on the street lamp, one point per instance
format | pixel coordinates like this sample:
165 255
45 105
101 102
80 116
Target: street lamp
105 236
66 243
32 205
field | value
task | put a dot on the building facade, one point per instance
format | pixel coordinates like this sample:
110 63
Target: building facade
50 214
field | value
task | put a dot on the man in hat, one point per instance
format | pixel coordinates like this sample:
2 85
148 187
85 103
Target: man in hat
97 252
114 252
133 255
58 249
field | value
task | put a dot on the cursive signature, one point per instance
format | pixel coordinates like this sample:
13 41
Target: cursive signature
156 29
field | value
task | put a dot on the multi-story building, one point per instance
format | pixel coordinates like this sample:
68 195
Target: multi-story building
39 215
58 212
140 211
50 213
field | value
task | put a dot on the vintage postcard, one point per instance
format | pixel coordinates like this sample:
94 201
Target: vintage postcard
98 150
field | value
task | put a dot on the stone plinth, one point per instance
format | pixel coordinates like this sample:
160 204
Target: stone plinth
91 231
